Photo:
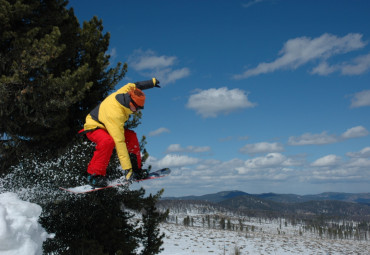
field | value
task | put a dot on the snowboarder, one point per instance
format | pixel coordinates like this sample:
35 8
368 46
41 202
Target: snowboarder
104 126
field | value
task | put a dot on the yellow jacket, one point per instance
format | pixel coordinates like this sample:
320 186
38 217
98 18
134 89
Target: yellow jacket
111 115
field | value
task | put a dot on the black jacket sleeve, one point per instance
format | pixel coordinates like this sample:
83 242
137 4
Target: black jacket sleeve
147 84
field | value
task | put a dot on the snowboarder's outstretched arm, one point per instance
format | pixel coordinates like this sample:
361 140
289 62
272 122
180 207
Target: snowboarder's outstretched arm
147 84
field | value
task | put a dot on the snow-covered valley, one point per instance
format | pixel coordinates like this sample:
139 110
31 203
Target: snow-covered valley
200 229
191 232
265 239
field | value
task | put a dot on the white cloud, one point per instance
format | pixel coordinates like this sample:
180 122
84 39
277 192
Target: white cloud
309 139
159 131
360 65
324 138
273 166
329 160
148 63
324 69
357 66
142 60
302 50
359 163
262 147
361 99
170 76
364 153
335 175
271 160
175 161
176 148
332 168
269 172
355 132
212 102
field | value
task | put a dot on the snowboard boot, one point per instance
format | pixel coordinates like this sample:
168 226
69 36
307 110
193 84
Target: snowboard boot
141 174
97 181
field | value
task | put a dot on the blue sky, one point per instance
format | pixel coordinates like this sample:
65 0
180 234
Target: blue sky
258 95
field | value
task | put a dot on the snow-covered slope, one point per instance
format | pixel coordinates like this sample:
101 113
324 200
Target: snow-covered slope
265 239
252 235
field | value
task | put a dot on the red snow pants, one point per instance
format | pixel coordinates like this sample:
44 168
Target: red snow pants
133 146
104 149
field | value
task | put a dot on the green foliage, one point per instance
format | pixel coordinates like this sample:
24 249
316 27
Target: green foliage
52 73
144 153
187 221
134 120
152 238
93 224
222 223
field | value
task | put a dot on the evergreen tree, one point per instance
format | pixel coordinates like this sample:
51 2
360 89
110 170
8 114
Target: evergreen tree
187 221
52 73
222 223
152 239
93 224
228 226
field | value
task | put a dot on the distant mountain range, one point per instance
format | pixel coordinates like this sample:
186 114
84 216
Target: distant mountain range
363 198
333 204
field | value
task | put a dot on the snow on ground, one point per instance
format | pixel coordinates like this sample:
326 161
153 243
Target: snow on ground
20 232
181 240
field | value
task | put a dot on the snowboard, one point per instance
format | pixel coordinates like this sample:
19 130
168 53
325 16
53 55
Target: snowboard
118 182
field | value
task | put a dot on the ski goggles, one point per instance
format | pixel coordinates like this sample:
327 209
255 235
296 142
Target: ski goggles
138 107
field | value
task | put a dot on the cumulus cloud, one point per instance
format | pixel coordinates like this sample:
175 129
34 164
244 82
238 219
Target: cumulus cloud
159 131
363 163
329 160
273 166
309 139
332 168
262 147
302 50
148 60
172 160
357 66
335 169
355 132
360 99
364 153
271 160
148 63
325 138
212 102
334 175
324 69
176 148
272 170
